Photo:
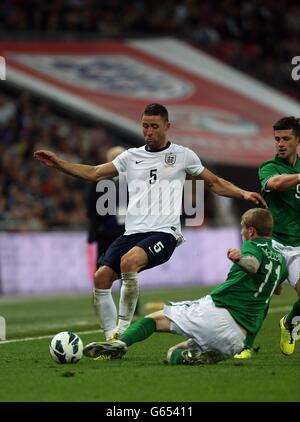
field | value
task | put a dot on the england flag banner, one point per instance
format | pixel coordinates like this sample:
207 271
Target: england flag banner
222 114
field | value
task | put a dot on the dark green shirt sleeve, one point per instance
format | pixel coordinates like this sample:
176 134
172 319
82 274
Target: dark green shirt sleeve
249 248
265 173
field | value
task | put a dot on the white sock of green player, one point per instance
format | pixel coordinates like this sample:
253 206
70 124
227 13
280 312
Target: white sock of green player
106 311
128 299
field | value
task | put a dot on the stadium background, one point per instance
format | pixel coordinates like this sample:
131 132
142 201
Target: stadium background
69 88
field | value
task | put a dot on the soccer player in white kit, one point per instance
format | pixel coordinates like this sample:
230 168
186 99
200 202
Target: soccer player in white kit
152 226
215 326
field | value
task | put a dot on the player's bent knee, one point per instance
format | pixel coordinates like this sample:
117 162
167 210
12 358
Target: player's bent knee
104 277
161 321
129 263
98 280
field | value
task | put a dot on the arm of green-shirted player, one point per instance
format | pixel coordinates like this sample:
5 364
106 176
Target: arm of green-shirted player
248 263
283 182
271 180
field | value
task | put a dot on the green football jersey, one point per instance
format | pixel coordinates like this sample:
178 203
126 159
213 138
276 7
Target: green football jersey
246 296
284 205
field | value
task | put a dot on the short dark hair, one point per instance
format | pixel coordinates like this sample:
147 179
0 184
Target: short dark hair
156 110
287 123
259 218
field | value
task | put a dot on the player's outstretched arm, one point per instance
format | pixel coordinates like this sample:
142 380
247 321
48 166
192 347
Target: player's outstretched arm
82 171
283 182
248 263
224 188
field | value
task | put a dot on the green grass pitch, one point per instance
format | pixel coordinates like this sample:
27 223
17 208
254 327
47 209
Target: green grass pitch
29 374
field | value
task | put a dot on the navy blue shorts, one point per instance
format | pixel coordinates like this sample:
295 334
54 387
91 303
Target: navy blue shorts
158 246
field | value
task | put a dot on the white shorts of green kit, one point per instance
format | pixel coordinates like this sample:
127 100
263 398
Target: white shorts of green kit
209 328
292 257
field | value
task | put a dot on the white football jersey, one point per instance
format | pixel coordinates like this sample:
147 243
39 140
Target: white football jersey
155 185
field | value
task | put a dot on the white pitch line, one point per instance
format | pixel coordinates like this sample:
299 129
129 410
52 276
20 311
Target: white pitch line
17 340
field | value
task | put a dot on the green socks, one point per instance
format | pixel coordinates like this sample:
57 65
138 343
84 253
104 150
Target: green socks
294 312
249 340
138 331
176 357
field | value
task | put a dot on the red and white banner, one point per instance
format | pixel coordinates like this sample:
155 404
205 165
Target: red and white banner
221 114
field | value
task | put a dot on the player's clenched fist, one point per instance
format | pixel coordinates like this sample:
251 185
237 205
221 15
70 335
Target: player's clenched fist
234 254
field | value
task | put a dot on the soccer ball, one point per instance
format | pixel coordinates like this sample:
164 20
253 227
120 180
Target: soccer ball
66 347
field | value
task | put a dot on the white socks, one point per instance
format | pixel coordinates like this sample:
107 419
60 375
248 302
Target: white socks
106 311
128 300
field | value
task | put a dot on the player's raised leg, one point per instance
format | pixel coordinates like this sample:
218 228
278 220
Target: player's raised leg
132 262
138 331
287 322
287 343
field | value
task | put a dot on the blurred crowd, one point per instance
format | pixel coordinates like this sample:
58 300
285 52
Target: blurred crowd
33 197
258 37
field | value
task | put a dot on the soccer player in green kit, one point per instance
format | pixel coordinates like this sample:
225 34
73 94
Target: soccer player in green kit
216 325
280 185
